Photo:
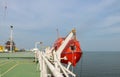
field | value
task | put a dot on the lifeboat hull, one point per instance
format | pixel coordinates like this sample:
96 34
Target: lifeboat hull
71 57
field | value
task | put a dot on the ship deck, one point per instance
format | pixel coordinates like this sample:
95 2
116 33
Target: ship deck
18 65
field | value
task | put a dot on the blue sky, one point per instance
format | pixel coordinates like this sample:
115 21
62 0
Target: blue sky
97 22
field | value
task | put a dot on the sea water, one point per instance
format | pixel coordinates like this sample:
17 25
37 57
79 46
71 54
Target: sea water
98 64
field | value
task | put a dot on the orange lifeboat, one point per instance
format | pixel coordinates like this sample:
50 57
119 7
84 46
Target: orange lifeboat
72 51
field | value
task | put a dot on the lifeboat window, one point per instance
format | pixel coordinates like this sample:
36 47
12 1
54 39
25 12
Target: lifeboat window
72 48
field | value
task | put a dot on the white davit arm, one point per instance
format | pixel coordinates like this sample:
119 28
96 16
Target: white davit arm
52 68
60 49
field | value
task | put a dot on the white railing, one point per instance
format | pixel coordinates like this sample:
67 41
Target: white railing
49 60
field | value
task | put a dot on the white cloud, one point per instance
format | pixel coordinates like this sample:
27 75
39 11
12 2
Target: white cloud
100 6
90 18
108 26
110 21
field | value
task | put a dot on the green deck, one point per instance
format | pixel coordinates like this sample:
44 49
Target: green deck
22 66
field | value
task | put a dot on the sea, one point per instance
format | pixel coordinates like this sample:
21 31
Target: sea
98 64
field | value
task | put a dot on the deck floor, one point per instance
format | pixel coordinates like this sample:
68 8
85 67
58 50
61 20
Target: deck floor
18 68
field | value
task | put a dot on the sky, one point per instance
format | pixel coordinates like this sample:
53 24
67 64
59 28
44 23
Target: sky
97 22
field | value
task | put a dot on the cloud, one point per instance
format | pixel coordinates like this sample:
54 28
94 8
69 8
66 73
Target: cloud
93 19
109 26
99 6
98 16
110 21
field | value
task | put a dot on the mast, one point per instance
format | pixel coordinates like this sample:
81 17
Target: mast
11 38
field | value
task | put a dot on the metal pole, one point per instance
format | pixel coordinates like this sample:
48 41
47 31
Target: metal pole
41 46
11 38
37 44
